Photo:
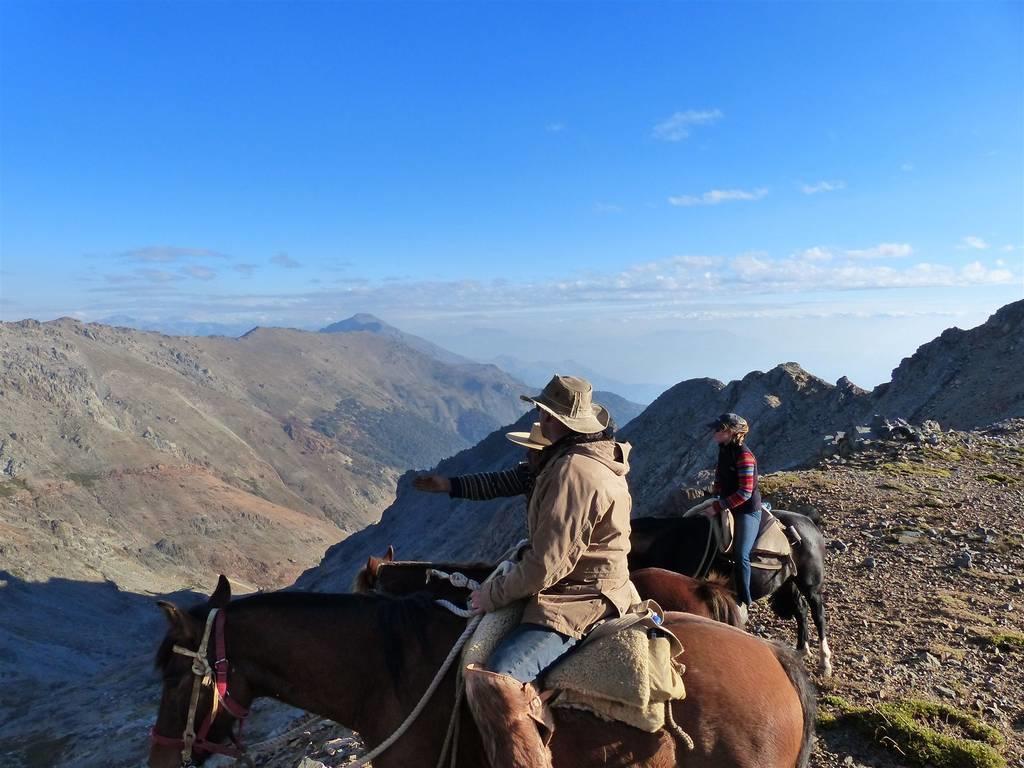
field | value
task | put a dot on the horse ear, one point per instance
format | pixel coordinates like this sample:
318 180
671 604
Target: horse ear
222 594
389 556
372 564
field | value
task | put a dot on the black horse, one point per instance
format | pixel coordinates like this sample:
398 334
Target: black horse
680 544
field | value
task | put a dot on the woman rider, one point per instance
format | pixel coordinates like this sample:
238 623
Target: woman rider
736 488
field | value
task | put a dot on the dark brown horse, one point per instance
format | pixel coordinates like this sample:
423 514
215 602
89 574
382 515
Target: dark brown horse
711 598
364 661
681 544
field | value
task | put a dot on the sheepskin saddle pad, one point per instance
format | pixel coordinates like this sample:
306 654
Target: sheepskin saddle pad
626 671
772 548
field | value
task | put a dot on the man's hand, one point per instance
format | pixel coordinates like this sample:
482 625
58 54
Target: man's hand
709 511
432 483
476 601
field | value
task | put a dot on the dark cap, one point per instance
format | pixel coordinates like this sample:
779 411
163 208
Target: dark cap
729 421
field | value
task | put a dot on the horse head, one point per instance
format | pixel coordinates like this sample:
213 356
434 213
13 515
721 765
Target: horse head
366 579
197 713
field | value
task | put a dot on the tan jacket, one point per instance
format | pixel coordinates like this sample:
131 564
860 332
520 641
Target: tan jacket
574 572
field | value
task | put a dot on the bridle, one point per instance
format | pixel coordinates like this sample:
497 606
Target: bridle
216 677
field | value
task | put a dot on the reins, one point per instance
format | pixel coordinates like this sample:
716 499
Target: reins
215 676
459 580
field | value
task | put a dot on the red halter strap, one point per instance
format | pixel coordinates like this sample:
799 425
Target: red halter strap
205 675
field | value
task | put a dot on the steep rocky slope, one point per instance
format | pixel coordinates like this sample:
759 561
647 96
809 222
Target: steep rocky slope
963 378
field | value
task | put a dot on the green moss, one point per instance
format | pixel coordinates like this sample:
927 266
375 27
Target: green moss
1004 641
10 487
908 726
912 469
998 478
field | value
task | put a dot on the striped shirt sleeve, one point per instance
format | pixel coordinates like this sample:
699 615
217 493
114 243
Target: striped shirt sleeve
746 469
491 485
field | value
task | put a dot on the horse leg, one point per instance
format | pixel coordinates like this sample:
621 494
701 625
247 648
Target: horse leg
818 613
787 604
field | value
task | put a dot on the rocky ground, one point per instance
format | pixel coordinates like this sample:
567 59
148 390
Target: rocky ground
925 595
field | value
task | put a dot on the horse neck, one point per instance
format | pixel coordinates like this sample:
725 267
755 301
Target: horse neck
349 658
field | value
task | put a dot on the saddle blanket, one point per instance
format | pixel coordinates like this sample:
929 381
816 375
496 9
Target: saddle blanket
629 675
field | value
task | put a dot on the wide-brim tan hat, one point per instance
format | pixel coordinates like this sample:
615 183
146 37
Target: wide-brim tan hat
534 439
570 400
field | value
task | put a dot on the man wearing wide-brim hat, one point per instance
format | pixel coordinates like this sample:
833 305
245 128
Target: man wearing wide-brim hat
572 575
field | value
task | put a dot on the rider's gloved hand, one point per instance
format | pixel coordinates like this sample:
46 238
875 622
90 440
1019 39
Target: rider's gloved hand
432 483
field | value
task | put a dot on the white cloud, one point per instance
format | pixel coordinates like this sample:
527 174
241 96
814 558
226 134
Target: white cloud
973 242
169 253
677 127
284 260
716 196
600 207
907 167
822 186
555 127
882 251
817 253
199 272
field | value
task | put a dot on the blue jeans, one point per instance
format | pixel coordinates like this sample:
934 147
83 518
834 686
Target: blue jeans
528 651
745 525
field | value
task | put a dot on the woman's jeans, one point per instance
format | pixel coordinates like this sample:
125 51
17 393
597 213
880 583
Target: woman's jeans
528 651
745 525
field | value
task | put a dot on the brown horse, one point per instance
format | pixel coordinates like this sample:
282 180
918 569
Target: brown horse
711 598
364 661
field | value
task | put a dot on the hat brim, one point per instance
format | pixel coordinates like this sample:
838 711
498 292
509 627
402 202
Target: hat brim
596 421
523 439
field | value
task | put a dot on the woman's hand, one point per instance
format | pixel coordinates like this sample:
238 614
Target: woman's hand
432 483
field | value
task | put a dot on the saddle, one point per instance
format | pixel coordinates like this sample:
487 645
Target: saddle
773 548
624 670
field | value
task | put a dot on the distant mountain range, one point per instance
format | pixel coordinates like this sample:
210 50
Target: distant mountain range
152 460
537 373
962 379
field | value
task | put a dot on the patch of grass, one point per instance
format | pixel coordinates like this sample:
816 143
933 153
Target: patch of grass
999 478
912 469
781 481
85 479
10 487
943 454
921 731
955 608
946 651
1005 641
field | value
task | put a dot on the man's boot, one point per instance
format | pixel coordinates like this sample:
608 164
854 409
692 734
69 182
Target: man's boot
508 714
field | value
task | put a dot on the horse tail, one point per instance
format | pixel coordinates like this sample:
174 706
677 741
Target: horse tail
718 596
797 674
785 600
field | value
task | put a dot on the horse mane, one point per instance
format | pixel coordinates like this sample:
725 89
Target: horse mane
716 592
363 583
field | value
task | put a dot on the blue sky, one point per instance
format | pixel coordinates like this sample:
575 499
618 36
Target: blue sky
656 190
